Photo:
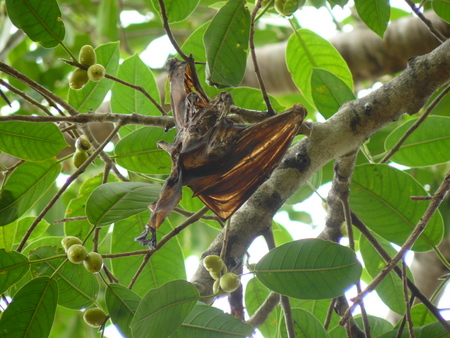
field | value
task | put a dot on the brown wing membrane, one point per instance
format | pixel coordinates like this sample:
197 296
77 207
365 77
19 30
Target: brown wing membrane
221 162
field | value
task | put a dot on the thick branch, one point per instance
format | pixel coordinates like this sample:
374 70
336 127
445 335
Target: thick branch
343 133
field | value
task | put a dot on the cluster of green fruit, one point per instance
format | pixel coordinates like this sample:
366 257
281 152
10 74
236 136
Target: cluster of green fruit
226 282
83 151
93 262
284 7
77 254
95 72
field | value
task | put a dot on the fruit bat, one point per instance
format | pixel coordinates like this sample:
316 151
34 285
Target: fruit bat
222 162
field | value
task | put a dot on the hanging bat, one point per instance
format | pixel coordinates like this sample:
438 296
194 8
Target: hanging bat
222 162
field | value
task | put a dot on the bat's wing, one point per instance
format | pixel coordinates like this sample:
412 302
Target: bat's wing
225 181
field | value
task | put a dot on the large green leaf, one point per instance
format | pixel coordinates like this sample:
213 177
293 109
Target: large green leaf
390 290
32 312
112 202
39 19
31 141
428 145
7 235
207 321
91 96
138 151
166 265
309 269
251 98
226 42
375 14
78 288
126 100
305 51
162 310
24 224
431 330
177 10
377 325
442 8
13 266
27 183
122 304
380 196
329 92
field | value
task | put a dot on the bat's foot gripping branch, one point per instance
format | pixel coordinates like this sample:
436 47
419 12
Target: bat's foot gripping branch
142 238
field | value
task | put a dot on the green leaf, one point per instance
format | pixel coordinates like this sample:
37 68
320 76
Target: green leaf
122 304
307 189
107 19
32 312
31 141
7 235
138 151
329 92
91 96
431 330
177 10
319 269
112 202
377 325
226 41
13 266
421 315
428 145
305 325
375 14
167 265
380 196
24 224
126 100
39 19
390 290
255 295
78 288
251 98
207 321
27 183
162 310
442 8
305 51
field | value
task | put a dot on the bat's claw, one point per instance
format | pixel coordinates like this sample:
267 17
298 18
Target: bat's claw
150 242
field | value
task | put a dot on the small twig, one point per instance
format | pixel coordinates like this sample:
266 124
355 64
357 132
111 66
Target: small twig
427 22
330 312
418 230
47 94
262 86
68 182
420 198
223 251
407 303
195 217
416 124
70 219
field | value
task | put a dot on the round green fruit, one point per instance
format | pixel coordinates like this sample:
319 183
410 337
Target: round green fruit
79 158
96 72
78 79
288 7
87 56
77 253
95 317
68 241
82 143
229 282
93 262
213 263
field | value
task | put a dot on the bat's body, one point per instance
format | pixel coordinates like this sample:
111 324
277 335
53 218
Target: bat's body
223 163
